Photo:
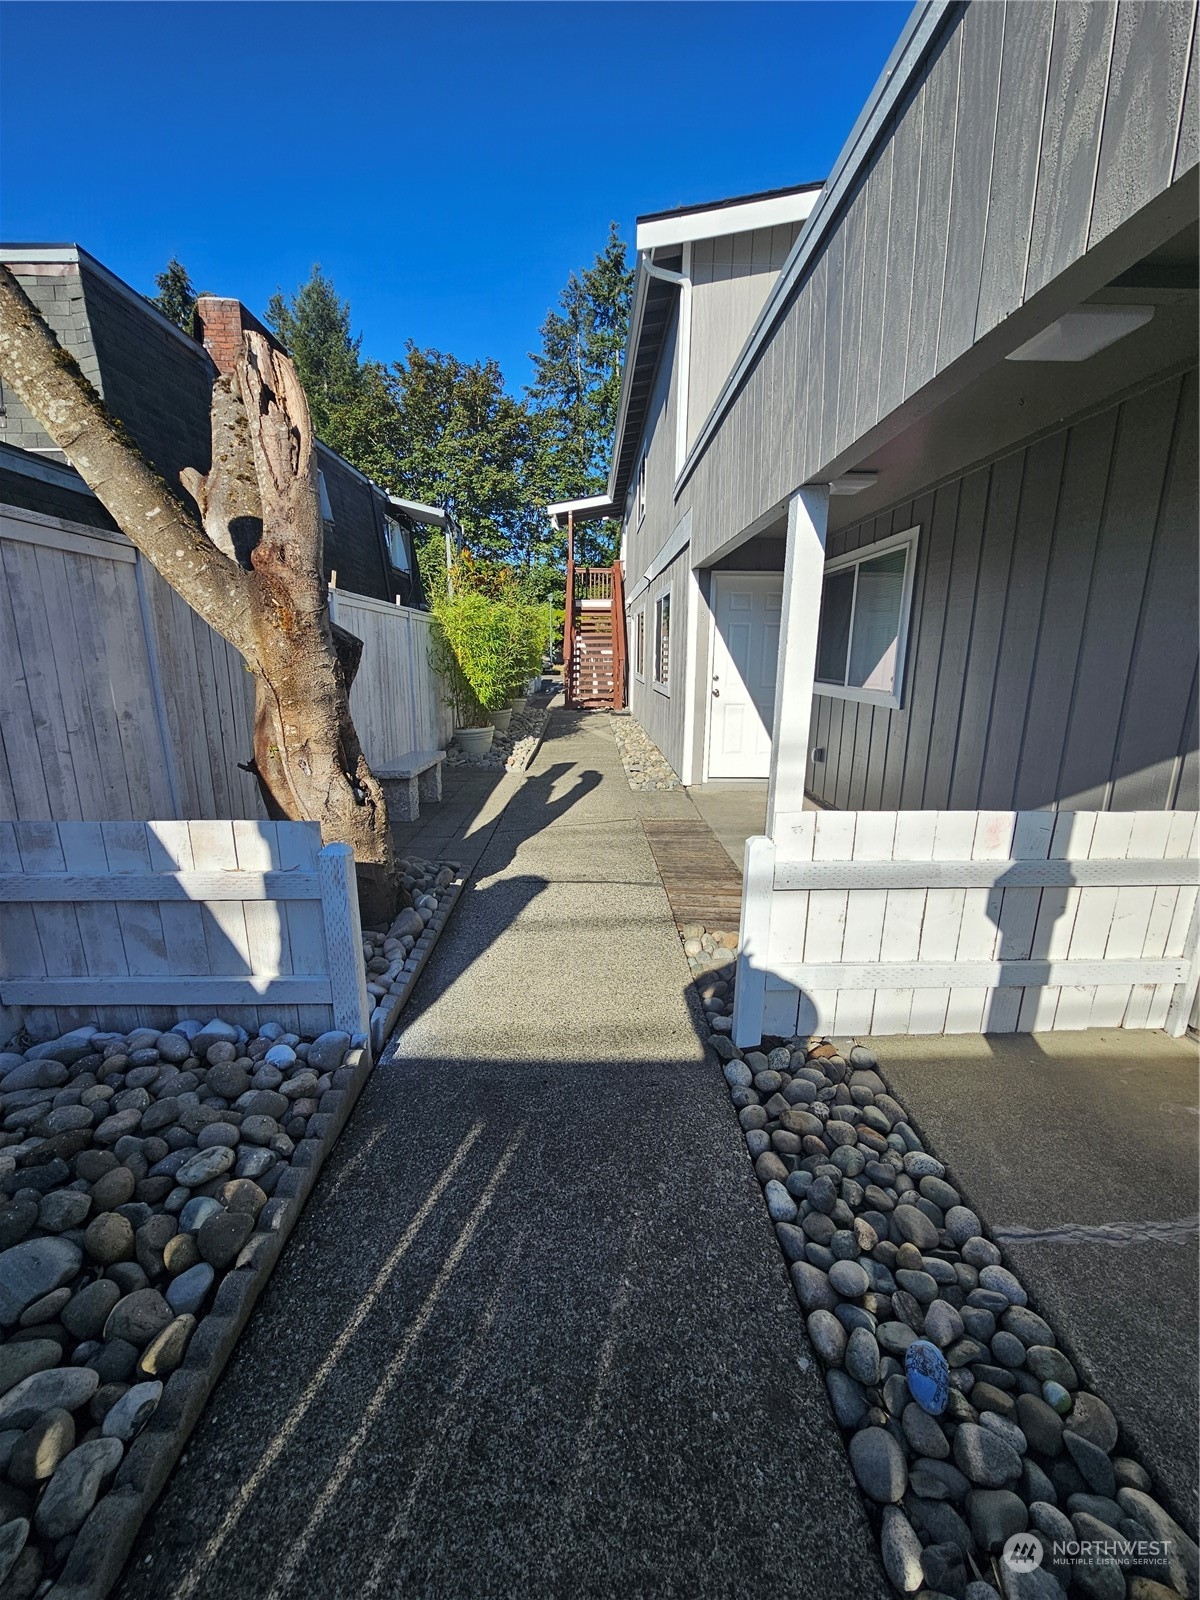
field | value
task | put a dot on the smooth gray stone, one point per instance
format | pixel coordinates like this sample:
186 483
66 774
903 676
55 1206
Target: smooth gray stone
849 1279
939 1480
878 1464
22 1360
994 1515
1093 1463
138 1318
812 1287
828 1337
847 1398
914 1227
57 1387
205 1166
132 1411
1049 1365
32 1269
72 1491
1185 1557
1001 1281
901 1550
13 1536
984 1457
1027 1325
186 1293
862 1356
1092 1420
924 1433
943 1324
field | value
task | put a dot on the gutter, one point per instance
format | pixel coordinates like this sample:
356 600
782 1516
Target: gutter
905 61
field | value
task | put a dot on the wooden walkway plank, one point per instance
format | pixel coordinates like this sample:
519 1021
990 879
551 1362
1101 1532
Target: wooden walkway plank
701 881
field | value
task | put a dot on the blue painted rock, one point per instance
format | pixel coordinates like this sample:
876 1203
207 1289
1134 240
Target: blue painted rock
1057 1397
928 1375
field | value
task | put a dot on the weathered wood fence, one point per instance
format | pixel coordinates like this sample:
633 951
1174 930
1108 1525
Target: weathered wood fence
857 922
131 924
118 703
397 701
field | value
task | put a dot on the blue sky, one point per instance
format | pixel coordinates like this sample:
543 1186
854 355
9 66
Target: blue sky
447 164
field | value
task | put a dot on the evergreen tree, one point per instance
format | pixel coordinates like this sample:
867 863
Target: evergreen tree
176 298
315 326
577 387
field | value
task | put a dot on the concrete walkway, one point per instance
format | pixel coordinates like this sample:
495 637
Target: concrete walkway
533 1336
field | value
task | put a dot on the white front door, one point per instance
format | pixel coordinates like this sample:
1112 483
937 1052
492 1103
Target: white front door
746 611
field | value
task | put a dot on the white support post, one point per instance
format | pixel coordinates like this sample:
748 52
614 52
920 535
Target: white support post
1184 997
803 576
758 885
343 939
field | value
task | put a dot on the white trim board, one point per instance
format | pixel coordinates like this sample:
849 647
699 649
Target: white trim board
1034 873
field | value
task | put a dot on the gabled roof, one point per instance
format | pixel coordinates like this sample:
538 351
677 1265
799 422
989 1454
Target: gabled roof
660 238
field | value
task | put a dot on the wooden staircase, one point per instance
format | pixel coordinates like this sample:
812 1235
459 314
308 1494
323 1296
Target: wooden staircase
594 642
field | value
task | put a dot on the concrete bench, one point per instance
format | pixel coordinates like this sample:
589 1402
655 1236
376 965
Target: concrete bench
410 779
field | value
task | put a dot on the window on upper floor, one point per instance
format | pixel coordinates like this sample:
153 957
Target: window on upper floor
326 503
662 640
639 503
639 643
863 633
397 545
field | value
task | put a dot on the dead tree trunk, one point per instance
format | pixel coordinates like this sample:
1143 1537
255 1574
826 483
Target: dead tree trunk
252 566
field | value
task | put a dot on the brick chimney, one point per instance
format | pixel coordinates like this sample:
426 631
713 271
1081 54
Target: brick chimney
221 324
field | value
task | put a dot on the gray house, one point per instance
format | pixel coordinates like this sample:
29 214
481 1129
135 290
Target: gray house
915 541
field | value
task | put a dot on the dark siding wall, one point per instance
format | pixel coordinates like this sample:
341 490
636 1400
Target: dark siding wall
1053 649
160 385
353 547
1032 132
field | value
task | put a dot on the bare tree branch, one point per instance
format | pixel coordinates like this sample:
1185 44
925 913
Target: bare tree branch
142 505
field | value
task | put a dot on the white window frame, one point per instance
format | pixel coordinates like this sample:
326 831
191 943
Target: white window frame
390 526
326 503
639 496
894 699
639 644
662 685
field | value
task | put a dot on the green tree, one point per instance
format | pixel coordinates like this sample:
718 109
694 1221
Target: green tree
577 387
176 298
344 395
462 441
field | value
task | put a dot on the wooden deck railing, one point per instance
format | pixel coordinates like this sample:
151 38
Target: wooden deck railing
593 583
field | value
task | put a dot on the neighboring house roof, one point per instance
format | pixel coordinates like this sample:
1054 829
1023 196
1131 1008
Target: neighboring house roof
158 380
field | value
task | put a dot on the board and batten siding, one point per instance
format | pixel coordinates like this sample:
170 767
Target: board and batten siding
663 713
731 278
1052 657
1031 133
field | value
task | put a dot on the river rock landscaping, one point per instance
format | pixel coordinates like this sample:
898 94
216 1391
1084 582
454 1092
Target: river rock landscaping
514 749
966 1423
645 765
394 956
148 1181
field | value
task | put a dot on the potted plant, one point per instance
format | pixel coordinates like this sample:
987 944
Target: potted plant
470 651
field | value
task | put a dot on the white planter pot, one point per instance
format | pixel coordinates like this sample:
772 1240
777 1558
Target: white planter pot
501 719
518 704
474 741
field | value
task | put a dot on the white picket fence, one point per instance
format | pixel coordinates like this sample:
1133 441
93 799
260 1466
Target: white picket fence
117 702
131 924
893 922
